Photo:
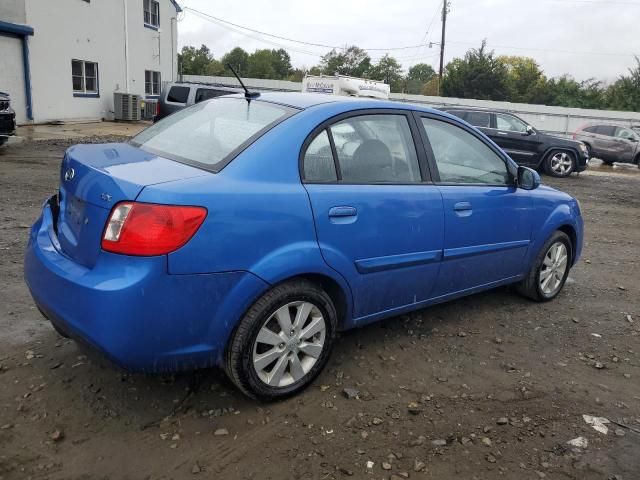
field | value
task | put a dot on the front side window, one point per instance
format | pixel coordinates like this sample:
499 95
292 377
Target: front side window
510 123
84 77
318 160
625 133
479 119
151 13
151 82
209 132
462 158
376 149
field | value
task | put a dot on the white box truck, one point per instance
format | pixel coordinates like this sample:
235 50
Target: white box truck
346 86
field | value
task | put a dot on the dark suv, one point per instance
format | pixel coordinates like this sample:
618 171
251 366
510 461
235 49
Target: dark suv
611 143
178 95
7 118
557 156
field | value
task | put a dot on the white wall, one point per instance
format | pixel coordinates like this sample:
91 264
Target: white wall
12 75
12 11
93 31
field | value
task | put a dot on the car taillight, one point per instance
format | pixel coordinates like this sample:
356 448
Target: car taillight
147 229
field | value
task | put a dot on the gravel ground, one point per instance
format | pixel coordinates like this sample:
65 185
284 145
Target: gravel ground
490 386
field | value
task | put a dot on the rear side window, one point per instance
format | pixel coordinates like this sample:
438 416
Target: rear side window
607 130
462 158
591 129
209 133
479 119
376 149
203 94
178 94
318 160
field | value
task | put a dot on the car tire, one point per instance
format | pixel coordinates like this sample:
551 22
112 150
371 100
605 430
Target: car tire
269 368
546 266
560 163
607 162
589 151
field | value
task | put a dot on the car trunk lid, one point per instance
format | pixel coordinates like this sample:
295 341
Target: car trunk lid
94 178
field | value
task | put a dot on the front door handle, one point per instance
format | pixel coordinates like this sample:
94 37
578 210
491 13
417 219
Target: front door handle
503 133
342 212
463 209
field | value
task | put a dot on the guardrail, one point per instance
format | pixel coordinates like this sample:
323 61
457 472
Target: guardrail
556 120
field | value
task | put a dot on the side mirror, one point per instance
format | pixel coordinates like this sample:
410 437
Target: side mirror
528 179
530 130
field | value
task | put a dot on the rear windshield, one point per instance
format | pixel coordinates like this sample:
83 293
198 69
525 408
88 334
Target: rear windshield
210 134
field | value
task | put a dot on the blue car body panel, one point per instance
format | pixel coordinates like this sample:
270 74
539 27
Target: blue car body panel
388 248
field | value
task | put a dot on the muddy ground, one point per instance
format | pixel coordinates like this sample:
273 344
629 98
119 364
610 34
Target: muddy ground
491 386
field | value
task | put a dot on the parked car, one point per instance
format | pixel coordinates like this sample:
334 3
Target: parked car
557 156
244 232
7 118
611 143
178 95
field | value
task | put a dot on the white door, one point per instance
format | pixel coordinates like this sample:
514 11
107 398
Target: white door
12 75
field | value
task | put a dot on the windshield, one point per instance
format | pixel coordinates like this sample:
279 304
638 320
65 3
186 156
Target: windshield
210 134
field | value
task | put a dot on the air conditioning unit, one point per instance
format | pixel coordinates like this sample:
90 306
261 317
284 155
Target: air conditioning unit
126 106
150 109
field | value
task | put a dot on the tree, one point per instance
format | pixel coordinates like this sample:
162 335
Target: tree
261 64
421 72
194 61
238 59
281 63
389 71
524 78
431 87
478 75
351 61
417 78
624 94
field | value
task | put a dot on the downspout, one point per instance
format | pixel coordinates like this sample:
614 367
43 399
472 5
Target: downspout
126 45
27 76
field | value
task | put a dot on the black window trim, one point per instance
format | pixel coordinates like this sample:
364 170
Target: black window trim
512 169
423 166
231 156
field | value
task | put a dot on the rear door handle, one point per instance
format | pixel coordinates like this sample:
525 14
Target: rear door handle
342 212
503 133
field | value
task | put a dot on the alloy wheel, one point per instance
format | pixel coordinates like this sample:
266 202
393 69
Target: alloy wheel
289 344
561 163
553 268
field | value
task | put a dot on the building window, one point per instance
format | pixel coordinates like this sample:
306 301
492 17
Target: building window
151 82
151 13
85 77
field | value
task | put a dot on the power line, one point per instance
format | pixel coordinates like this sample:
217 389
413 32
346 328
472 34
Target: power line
596 2
302 42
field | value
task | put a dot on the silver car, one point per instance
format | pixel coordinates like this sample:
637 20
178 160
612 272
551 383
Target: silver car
611 143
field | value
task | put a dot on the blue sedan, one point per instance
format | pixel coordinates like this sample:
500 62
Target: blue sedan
244 232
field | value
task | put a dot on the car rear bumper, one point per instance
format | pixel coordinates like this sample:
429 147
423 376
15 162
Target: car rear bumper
131 309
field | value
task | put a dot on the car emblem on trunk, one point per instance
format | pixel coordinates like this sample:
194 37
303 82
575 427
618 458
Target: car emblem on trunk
69 174
106 197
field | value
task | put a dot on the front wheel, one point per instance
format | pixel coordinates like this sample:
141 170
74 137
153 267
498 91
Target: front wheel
283 341
550 269
560 163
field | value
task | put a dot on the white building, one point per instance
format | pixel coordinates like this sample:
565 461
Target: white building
64 59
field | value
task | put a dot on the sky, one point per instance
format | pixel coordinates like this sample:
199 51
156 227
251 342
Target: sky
584 38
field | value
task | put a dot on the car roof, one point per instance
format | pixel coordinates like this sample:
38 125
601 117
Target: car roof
303 101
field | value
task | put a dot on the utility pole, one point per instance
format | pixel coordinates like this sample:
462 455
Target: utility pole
445 10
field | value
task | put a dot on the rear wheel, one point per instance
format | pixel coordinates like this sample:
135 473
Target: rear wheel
550 269
283 341
560 163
